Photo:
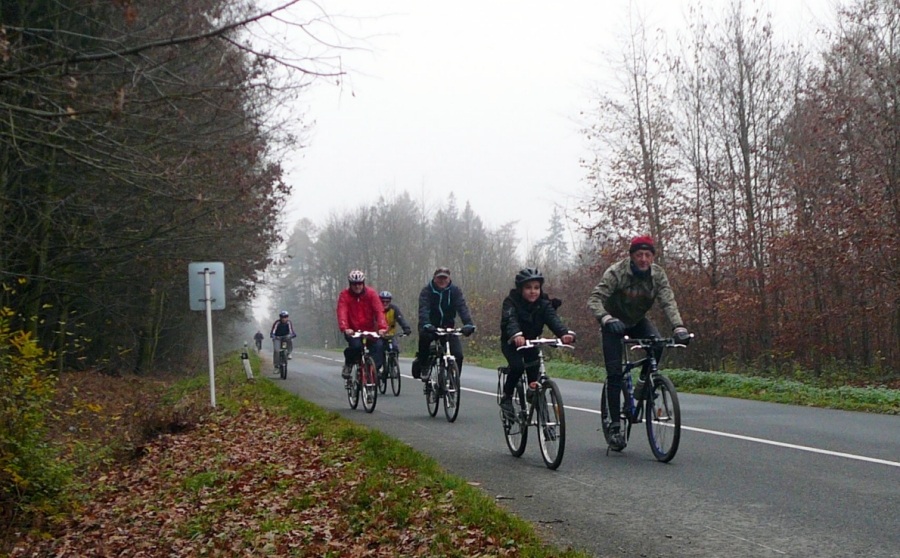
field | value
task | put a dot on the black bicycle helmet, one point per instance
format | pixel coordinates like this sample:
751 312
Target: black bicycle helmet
528 274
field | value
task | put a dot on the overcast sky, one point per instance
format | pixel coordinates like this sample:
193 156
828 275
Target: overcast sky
476 97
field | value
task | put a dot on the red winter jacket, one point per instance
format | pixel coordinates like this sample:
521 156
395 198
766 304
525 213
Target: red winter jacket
360 313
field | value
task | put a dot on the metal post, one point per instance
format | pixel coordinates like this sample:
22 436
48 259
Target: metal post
209 338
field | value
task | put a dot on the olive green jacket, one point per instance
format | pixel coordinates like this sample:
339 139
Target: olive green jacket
620 294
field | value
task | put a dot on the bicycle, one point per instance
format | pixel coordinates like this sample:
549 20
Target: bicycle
281 356
442 380
391 368
363 382
660 409
258 345
541 407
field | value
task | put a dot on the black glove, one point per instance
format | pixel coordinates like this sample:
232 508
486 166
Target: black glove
555 303
468 329
681 335
615 326
406 331
428 328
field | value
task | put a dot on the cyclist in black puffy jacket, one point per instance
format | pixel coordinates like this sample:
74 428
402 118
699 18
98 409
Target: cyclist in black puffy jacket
439 303
526 310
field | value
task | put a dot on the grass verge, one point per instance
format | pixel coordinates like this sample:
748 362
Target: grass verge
875 399
267 474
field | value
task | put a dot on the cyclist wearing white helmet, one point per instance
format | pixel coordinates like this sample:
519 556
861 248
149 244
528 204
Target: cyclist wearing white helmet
360 309
281 328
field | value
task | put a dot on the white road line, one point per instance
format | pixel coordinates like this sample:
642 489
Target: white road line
714 432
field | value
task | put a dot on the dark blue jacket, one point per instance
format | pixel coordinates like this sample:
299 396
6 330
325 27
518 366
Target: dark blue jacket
440 307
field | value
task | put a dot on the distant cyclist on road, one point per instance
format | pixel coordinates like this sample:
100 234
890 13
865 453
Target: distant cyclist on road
259 339
281 328
526 310
359 309
620 302
439 303
393 316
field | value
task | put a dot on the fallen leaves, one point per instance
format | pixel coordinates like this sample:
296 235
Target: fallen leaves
257 483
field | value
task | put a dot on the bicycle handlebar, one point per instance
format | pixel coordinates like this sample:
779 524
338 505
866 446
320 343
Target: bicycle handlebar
365 334
654 342
531 343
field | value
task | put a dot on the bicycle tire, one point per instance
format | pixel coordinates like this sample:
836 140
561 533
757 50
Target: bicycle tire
451 391
551 424
382 378
283 367
394 371
432 392
515 430
624 419
353 387
663 416
369 382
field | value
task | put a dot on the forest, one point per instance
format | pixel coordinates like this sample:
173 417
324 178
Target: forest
767 173
137 137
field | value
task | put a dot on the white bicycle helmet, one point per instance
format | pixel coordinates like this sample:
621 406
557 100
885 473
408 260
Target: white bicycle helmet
385 295
356 276
283 314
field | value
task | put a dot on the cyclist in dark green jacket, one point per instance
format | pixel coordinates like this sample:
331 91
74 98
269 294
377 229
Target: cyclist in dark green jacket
620 302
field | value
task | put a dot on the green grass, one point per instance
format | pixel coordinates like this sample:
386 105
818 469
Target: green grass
776 390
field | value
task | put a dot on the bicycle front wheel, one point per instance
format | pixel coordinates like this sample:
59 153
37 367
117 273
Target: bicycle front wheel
432 394
383 378
515 428
663 416
394 372
283 367
451 391
353 387
551 424
369 381
606 420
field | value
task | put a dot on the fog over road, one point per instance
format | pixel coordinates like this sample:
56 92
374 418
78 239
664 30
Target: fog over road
751 479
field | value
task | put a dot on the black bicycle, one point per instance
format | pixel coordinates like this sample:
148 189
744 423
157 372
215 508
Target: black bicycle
282 342
541 407
363 382
652 400
442 380
391 368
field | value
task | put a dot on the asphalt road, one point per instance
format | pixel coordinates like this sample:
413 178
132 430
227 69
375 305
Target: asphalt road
750 479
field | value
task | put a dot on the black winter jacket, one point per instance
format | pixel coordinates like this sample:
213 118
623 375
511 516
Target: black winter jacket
528 318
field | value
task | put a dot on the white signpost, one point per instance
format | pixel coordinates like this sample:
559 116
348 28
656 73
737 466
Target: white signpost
206 282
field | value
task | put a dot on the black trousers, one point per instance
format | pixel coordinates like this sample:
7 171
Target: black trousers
613 353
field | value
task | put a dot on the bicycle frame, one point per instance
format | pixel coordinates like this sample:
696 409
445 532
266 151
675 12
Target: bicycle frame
654 401
363 382
542 408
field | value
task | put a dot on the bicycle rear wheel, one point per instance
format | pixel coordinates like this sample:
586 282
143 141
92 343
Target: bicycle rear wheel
605 420
451 391
369 381
432 394
394 372
353 387
663 416
551 419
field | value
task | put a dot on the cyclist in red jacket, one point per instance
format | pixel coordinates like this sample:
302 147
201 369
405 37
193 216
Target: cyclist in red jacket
360 309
